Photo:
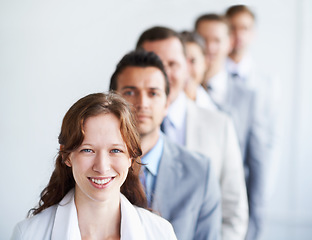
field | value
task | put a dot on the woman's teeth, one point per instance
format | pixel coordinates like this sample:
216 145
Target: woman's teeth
101 181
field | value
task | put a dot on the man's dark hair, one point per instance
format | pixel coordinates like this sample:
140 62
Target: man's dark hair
156 34
211 17
236 9
139 58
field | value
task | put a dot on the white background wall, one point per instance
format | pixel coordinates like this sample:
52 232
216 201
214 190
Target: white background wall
54 52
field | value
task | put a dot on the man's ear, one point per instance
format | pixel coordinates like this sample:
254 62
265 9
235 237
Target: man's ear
231 44
166 108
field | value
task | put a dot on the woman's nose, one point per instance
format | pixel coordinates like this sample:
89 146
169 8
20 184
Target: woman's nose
101 163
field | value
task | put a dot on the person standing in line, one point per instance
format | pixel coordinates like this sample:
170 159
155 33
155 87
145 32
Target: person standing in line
240 102
179 184
196 57
241 64
210 133
94 191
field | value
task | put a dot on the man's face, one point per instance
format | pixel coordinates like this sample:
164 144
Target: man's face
242 31
171 53
144 87
217 40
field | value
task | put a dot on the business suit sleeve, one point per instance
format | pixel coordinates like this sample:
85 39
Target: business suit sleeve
209 220
258 157
233 188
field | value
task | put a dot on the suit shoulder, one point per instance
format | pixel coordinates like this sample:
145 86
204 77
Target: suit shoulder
181 155
202 114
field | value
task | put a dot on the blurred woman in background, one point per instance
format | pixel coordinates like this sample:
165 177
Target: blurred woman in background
195 53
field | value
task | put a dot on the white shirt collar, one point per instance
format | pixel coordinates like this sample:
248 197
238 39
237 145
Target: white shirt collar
219 81
243 68
218 87
66 220
131 227
204 100
177 111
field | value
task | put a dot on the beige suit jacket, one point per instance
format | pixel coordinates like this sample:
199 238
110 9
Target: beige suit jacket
212 133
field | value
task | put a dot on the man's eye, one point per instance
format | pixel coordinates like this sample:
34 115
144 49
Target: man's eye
128 93
116 151
193 60
172 64
87 150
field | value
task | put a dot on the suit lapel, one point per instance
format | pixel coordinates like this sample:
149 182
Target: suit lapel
238 106
195 127
190 137
66 219
169 174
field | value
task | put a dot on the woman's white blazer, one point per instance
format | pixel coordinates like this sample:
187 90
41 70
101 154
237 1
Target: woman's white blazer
61 222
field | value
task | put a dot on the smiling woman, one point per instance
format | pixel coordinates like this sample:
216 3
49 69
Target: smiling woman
96 179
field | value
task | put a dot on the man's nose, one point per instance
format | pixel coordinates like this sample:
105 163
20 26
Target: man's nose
142 100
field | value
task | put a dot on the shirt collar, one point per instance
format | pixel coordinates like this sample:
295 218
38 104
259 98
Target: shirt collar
242 68
219 82
152 158
177 111
130 228
203 99
66 220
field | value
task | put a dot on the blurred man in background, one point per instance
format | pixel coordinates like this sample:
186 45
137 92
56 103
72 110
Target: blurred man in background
208 132
180 185
242 66
240 102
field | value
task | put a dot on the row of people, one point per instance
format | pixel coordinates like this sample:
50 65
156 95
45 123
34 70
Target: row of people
203 148
237 87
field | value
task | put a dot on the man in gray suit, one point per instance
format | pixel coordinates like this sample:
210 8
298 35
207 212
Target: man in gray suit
241 64
208 132
180 185
242 105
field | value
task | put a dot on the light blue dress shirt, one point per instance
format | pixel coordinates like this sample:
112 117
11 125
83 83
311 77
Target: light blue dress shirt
175 121
152 160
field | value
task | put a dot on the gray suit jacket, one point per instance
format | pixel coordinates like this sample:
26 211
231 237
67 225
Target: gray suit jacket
213 134
254 137
187 194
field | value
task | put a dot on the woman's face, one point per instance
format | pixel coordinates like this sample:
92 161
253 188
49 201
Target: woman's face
100 165
197 62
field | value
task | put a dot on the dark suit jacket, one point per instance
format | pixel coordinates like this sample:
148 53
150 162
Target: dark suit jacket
187 193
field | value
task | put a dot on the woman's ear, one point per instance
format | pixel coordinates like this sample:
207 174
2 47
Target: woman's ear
68 163
130 162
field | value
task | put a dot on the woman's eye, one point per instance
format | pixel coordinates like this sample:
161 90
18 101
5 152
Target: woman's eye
116 151
87 150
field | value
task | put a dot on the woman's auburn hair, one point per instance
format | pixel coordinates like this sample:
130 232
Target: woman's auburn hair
72 136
